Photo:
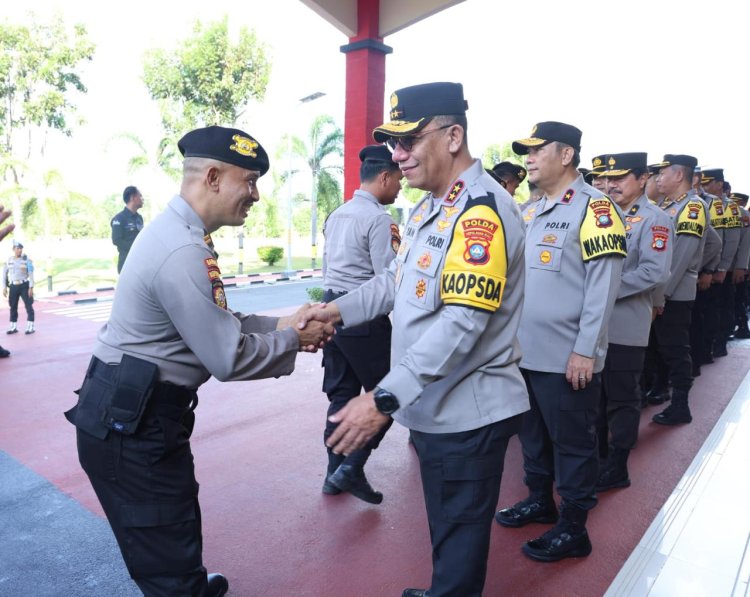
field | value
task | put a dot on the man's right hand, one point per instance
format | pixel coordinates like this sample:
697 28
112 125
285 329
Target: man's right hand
719 277
322 312
704 281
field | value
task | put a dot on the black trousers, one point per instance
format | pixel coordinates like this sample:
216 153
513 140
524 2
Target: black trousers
620 409
558 436
20 291
655 371
740 305
358 357
704 323
146 485
726 309
673 337
461 475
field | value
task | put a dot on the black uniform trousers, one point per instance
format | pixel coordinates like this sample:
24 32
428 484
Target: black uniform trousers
704 324
558 437
358 357
726 310
740 305
620 409
146 485
655 372
20 291
461 475
673 337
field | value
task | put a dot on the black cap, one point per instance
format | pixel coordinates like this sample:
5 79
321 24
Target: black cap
18 244
712 175
739 196
504 168
620 164
375 152
413 107
545 132
677 159
232 146
654 169
598 164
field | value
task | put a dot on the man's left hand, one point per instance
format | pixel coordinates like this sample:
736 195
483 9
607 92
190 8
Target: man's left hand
31 293
358 422
580 370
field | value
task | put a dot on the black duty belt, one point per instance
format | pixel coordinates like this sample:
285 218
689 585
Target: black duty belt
163 393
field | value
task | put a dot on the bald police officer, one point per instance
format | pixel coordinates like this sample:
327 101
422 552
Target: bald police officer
361 241
455 289
649 236
575 247
672 327
170 330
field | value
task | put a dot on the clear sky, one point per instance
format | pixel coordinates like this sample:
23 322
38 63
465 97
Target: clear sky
661 76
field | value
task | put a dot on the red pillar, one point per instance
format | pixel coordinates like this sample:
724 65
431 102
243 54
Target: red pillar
365 88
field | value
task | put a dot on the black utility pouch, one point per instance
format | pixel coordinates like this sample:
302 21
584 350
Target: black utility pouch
135 384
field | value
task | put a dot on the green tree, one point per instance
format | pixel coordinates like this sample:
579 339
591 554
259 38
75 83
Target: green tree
39 79
322 154
207 80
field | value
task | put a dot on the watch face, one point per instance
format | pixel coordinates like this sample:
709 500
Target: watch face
386 403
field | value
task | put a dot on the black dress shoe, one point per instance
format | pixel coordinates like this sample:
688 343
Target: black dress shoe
721 350
352 480
12 331
414 593
4 353
532 509
657 396
218 585
673 416
329 488
556 544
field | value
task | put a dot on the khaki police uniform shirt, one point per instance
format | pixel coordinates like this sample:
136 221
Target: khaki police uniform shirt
650 236
18 270
688 213
361 241
170 309
725 218
455 289
743 252
575 246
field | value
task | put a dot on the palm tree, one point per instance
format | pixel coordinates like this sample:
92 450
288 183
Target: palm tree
322 155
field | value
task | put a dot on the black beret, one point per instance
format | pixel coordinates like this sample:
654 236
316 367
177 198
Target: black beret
232 146
413 107
620 164
545 132
510 168
738 196
375 152
676 159
712 174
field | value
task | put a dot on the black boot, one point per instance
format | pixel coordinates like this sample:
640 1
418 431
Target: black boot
414 593
615 471
658 395
334 461
218 585
350 477
567 539
538 507
720 349
677 413
4 353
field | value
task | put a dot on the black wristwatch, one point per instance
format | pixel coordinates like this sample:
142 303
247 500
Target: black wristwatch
385 402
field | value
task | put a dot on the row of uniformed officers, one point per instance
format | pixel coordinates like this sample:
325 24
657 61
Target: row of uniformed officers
500 326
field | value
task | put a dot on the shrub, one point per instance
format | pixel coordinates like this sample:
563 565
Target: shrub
315 293
270 254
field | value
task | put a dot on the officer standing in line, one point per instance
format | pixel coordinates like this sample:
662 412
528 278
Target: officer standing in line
598 166
652 192
649 237
725 218
5 231
361 241
127 224
170 330
704 321
455 290
575 247
509 175
672 327
18 283
741 268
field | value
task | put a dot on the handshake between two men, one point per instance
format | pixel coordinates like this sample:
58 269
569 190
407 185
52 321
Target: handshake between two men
359 420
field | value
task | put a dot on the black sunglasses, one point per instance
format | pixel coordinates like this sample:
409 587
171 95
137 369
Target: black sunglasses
407 143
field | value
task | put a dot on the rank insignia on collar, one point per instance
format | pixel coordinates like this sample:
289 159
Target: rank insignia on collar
634 209
568 196
455 191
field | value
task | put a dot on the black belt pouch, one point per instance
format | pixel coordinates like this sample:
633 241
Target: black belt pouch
135 385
